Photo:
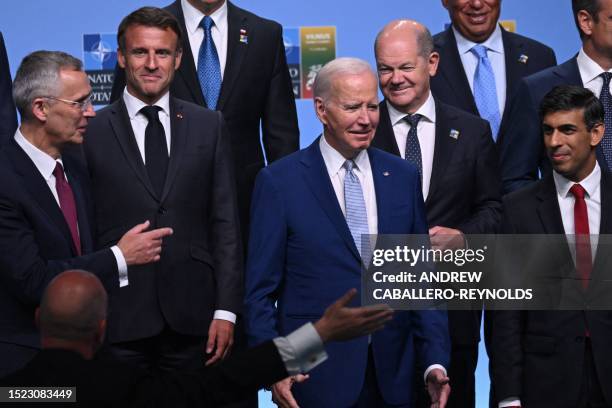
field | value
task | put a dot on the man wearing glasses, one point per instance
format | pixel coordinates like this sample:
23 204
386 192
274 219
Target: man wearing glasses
45 210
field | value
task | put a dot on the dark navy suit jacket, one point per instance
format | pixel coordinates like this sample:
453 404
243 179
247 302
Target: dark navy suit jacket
450 85
35 242
8 115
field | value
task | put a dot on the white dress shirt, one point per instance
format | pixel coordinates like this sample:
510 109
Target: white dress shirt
496 54
301 350
139 124
195 33
139 121
334 162
566 200
426 133
589 72
46 165
591 184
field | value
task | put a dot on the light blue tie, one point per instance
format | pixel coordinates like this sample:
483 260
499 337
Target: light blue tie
209 69
356 215
485 93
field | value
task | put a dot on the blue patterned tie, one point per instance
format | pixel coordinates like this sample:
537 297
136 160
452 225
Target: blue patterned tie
606 101
413 148
356 215
209 69
485 93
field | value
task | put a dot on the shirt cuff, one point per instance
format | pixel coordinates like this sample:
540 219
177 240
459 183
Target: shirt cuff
431 367
510 402
302 350
225 315
121 266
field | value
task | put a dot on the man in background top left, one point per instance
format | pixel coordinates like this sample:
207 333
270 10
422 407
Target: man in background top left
45 206
8 115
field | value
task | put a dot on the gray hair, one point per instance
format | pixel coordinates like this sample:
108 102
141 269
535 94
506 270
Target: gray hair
38 75
348 66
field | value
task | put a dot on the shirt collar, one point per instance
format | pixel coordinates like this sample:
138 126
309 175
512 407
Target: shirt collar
427 110
43 162
134 105
588 68
193 17
494 43
590 183
334 160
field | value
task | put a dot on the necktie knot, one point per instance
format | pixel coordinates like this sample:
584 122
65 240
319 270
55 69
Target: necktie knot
349 165
606 76
578 191
413 120
151 113
207 24
479 50
58 172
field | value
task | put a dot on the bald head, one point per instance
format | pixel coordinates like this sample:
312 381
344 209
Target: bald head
408 31
73 307
405 61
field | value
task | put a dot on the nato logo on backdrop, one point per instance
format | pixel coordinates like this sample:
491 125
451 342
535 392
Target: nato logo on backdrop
99 59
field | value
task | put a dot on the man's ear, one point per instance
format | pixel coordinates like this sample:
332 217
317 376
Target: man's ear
585 22
597 133
120 58
320 110
39 109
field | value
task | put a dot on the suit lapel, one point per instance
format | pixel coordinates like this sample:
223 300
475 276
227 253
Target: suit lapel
385 138
605 225
515 70
38 188
237 23
317 178
548 207
187 71
383 188
443 149
122 130
179 133
452 69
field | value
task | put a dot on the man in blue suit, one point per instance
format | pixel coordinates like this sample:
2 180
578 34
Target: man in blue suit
588 68
309 215
459 80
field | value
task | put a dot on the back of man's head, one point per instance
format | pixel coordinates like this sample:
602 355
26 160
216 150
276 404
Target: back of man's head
38 76
72 312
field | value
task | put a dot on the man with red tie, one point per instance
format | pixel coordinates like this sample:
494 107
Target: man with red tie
561 358
45 206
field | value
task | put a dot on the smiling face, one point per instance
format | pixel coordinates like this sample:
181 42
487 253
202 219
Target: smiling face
150 60
569 144
350 114
474 19
403 73
66 123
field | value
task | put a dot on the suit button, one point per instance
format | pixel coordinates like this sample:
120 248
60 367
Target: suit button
162 211
579 339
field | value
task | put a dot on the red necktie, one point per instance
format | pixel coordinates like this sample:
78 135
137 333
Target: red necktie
67 205
584 262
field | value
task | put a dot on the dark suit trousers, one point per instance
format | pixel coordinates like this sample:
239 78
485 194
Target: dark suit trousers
370 396
168 351
591 395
